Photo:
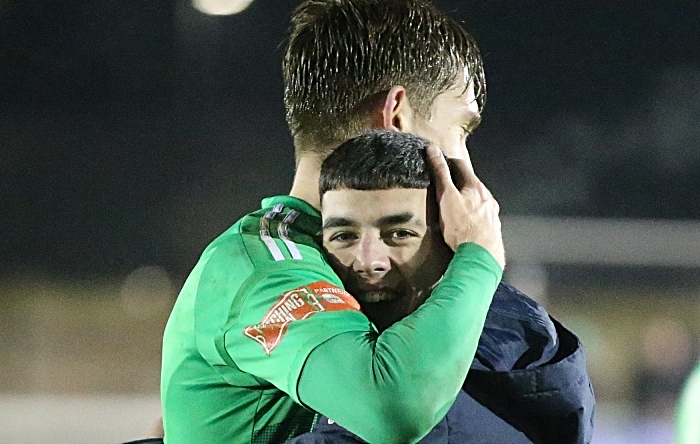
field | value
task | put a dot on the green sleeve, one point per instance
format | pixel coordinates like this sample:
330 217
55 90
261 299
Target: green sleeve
286 311
396 386
687 424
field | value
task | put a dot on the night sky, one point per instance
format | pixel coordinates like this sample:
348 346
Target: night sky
132 133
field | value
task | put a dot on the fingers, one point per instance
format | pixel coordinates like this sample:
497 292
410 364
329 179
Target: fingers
463 173
457 174
457 169
441 170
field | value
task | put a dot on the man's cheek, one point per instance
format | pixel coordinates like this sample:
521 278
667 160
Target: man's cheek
341 263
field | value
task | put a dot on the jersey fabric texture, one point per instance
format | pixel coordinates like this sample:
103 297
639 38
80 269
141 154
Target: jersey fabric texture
527 384
263 335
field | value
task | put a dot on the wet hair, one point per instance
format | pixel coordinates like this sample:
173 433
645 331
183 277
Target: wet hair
343 56
377 160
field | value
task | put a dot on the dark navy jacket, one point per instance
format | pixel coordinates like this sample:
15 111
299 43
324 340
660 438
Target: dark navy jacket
527 384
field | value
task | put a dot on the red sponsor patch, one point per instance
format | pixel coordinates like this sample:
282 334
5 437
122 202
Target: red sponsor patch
296 305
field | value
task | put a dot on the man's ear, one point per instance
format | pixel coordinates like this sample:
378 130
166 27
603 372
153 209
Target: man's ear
396 113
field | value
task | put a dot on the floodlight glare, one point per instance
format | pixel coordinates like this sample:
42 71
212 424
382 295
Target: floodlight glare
221 7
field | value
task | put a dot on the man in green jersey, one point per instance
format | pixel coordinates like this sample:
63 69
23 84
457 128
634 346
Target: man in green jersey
263 335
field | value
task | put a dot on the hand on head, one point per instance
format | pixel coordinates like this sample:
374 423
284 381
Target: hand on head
468 211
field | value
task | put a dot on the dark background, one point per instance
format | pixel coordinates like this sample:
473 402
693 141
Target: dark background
132 132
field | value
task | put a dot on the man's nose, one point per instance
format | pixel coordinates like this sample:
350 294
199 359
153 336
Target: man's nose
372 257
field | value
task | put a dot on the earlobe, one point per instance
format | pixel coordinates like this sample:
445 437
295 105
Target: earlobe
396 112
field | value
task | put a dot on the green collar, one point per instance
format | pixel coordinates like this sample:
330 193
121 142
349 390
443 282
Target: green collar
291 202
308 220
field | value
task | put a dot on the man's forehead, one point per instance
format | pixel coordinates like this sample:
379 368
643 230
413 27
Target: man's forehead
463 87
459 101
373 204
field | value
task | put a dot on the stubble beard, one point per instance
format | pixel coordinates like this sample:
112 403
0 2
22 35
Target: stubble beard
373 297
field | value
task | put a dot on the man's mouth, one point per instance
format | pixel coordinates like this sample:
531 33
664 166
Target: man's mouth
374 292
366 286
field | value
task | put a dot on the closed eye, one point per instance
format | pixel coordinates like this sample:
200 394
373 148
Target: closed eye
471 126
468 131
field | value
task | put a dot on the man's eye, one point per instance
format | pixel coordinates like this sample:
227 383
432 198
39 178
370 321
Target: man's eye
400 235
343 237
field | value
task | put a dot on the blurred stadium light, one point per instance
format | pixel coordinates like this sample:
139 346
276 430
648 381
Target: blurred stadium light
221 7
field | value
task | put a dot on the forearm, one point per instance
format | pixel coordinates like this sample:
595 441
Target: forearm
396 386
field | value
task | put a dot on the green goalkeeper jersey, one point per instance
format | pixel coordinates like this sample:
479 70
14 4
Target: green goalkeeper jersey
263 335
